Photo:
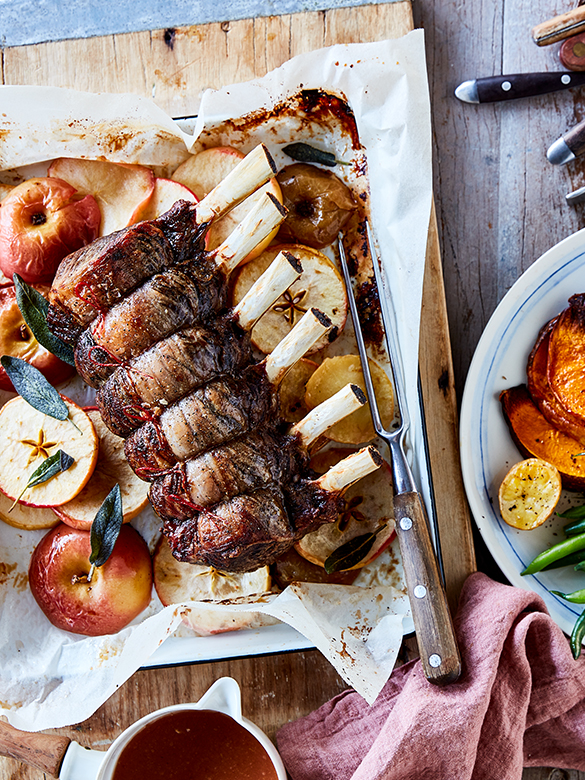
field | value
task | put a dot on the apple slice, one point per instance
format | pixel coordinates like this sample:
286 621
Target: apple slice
367 505
336 372
118 592
177 582
121 190
292 390
165 194
111 468
5 189
320 286
202 172
29 437
27 518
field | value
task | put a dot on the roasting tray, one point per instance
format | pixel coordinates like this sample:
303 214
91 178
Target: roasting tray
332 127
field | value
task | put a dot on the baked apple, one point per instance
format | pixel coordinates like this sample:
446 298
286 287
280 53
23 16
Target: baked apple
42 221
17 340
117 593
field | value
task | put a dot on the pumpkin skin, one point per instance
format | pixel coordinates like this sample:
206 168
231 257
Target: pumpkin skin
535 437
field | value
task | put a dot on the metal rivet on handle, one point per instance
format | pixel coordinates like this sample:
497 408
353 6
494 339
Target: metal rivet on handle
405 523
565 78
506 86
420 591
435 660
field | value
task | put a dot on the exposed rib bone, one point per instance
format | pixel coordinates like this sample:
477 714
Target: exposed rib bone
283 271
351 469
252 172
297 343
324 416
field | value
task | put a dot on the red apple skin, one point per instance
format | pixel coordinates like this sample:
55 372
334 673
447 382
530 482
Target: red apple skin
17 340
119 590
40 223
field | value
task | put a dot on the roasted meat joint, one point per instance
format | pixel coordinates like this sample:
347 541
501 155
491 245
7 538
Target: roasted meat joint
147 312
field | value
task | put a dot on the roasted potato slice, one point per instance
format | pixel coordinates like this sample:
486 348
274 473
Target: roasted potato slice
541 392
535 437
529 493
336 372
320 286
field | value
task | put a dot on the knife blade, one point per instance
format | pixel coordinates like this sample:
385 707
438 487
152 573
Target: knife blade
517 85
568 146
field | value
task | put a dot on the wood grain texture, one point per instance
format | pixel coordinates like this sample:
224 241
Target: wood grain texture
174 67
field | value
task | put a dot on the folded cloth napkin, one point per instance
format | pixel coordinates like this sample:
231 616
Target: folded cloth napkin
520 701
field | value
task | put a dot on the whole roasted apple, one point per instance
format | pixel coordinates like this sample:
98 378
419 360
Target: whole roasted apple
117 593
41 221
17 340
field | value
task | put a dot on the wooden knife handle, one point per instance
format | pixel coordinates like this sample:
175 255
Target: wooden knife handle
560 27
575 139
43 751
432 620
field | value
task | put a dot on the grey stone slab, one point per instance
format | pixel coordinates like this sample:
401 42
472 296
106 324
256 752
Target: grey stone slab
37 21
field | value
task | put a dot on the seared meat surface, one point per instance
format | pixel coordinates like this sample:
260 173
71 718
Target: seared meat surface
173 367
94 278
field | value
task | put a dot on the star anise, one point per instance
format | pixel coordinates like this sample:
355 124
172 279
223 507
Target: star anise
290 305
350 511
39 447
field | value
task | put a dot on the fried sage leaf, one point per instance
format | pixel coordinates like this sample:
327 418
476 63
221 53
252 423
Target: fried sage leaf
309 154
106 528
34 388
50 467
352 552
34 307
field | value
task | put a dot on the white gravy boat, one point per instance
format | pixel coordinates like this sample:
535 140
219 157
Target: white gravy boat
59 757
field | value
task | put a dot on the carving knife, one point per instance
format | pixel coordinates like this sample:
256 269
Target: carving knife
517 85
568 146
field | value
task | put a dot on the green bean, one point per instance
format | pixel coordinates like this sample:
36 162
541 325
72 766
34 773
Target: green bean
576 527
577 636
556 552
576 597
575 559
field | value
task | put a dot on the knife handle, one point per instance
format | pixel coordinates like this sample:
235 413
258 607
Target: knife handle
575 139
559 27
432 620
43 751
519 85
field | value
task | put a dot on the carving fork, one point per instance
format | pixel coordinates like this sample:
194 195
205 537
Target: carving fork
432 620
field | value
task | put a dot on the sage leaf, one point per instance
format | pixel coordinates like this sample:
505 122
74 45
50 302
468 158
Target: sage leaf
309 154
34 388
34 307
105 528
55 464
352 552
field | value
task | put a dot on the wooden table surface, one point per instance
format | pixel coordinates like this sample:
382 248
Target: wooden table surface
499 204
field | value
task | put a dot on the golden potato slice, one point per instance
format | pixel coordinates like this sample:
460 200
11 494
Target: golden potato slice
529 493
111 468
336 372
177 582
293 388
202 172
320 286
367 505
27 518
29 437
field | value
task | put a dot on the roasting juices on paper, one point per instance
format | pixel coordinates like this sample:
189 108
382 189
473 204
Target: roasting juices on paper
197 319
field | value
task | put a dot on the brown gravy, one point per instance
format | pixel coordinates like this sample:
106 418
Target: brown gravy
194 745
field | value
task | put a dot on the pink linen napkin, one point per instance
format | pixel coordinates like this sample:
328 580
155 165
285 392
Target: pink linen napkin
520 701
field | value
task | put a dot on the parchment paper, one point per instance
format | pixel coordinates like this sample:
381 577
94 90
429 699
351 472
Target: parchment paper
50 678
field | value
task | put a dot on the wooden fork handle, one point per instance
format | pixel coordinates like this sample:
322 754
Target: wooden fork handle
43 751
438 649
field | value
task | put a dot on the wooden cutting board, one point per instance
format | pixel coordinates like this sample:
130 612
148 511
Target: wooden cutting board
173 67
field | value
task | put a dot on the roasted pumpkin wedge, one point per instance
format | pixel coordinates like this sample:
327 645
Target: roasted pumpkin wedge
535 437
541 392
566 357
